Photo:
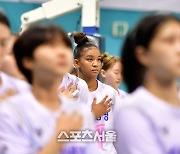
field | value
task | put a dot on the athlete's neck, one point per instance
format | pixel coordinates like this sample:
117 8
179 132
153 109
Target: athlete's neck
45 91
0 80
112 85
164 89
92 85
116 88
91 82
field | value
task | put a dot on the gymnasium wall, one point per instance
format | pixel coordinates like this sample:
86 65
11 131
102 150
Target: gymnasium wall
71 22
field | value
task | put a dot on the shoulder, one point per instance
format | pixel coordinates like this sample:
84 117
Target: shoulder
139 103
134 130
122 93
106 87
18 84
15 104
76 79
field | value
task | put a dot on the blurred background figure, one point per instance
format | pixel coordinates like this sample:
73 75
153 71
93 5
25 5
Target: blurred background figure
149 122
9 85
9 65
44 55
111 72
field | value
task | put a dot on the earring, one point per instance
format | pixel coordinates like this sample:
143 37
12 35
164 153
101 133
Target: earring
74 66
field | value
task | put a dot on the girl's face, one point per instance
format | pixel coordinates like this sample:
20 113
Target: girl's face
163 56
52 60
4 40
9 65
113 76
89 63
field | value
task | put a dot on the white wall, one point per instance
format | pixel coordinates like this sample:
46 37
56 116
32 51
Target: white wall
144 5
141 5
29 1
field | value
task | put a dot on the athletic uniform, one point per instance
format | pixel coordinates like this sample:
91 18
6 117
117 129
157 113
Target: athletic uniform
121 94
83 93
26 126
9 82
105 122
147 125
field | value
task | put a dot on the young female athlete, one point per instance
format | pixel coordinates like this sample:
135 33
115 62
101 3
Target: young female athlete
149 123
9 85
111 72
87 59
32 121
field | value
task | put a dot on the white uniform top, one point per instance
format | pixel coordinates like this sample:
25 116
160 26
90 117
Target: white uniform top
26 126
82 86
147 125
9 82
105 122
121 94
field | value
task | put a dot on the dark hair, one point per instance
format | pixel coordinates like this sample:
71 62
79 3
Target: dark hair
34 36
141 35
82 42
108 61
4 20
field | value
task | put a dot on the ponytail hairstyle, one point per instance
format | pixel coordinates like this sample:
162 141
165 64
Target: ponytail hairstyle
83 43
108 61
141 35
